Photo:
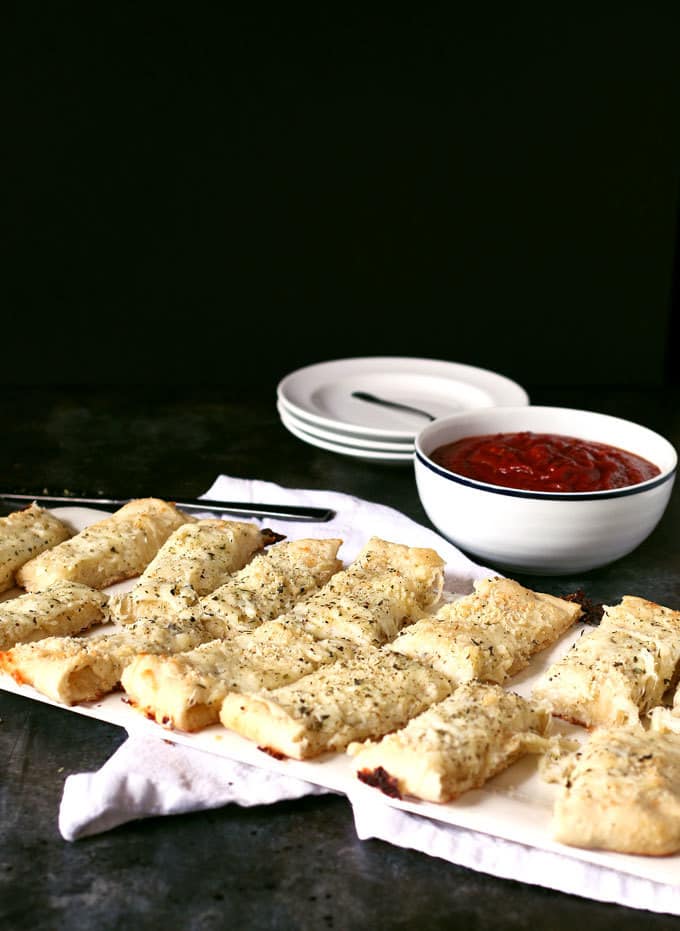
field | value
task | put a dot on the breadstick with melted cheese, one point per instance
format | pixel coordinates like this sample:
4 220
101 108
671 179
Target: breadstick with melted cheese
24 535
194 560
63 608
619 670
113 549
271 584
622 793
490 634
367 696
186 691
76 669
456 745
388 585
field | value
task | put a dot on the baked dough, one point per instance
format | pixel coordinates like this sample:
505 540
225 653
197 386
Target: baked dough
76 669
113 549
666 719
64 608
456 745
23 535
617 671
422 565
71 670
271 584
388 585
194 560
367 696
186 691
490 634
361 602
622 793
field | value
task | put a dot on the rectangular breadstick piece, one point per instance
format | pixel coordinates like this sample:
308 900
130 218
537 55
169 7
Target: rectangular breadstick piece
490 634
421 564
622 793
24 535
113 549
619 670
388 585
194 560
367 696
76 669
269 585
186 691
64 608
456 745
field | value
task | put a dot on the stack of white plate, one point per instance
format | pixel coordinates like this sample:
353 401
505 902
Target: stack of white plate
318 404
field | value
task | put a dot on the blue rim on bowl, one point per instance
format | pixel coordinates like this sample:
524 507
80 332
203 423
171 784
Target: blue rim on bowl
545 495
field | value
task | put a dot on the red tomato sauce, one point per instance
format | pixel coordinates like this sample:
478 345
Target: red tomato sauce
543 462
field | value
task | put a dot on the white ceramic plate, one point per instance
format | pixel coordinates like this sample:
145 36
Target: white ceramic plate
345 439
343 433
322 393
364 452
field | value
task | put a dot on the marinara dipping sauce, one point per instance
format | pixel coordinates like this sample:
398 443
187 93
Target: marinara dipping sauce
543 462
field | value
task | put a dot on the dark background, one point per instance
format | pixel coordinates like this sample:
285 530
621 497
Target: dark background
199 197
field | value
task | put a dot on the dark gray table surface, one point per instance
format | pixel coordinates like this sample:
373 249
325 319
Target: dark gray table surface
289 865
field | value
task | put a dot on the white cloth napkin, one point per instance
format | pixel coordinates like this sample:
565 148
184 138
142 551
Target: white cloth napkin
511 860
147 777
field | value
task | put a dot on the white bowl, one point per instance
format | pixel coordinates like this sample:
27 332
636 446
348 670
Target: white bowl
543 533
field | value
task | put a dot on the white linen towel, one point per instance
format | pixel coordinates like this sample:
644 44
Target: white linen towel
147 777
511 860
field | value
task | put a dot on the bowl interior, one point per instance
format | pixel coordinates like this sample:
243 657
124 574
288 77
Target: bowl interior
586 425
